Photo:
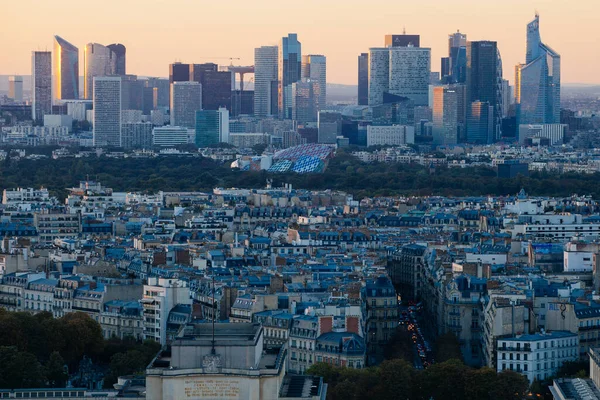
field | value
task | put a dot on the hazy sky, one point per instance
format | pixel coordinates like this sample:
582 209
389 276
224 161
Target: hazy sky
158 32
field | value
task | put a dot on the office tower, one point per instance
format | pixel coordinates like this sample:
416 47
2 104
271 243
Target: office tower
330 126
445 69
391 135
15 88
265 80
379 74
481 123
289 71
179 72
507 97
457 59
363 79
242 102
120 51
216 85
161 89
41 85
538 81
409 70
314 67
305 99
170 136
449 114
107 111
186 99
402 40
66 70
132 93
484 79
98 60
136 135
212 126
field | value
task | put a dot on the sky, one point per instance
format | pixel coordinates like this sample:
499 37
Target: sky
159 32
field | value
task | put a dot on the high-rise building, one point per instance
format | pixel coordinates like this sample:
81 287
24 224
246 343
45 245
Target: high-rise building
265 81
132 93
169 136
314 67
212 126
363 79
41 85
449 114
136 135
403 40
179 72
107 111
330 126
98 60
15 88
457 58
66 70
484 79
216 85
120 51
161 89
290 68
379 74
480 123
305 100
409 73
186 99
537 81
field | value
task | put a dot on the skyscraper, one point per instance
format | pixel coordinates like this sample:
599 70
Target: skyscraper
315 68
107 111
538 81
120 51
98 60
449 114
363 79
41 84
212 126
15 88
66 70
403 40
484 79
305 99
457 57
379 74
179 72
290 68
186 99
409 73
480 122
216 85
265 81
161 90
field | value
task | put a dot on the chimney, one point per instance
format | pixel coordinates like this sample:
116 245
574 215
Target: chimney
352 324
325 325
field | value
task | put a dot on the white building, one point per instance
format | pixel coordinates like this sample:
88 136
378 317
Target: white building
186 99
26 195
409 73
265 80
168 136
161 295
394 135
554 132
579 256
107 111
537 356
136 135
58 121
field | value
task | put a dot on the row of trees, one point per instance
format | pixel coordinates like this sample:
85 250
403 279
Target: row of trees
39 350
397 379
344 172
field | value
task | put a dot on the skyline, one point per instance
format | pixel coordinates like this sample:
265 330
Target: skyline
153 42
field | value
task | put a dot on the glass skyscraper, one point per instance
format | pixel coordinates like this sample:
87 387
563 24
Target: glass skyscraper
121 52
107 111
290 68
265 81
212 126
98 60
363 79
538 81
66 70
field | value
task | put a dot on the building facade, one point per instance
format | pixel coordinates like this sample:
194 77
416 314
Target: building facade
107 111
98 60
41 84
265 80
186 99
66 70
289 71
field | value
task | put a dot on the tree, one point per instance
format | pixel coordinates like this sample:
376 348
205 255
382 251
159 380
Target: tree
444 380
19 369
479 383
447 347
396 378
509 385
83 336
328 372
574 369
55 370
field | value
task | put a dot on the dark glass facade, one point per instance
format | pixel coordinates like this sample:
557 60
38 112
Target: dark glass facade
216 85
402 40
363 79
121 52
179 72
